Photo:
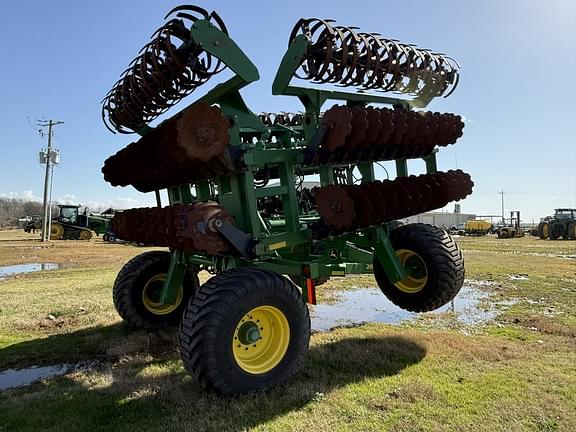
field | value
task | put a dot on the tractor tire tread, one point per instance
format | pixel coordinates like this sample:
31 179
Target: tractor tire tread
447 260
128 276
215 300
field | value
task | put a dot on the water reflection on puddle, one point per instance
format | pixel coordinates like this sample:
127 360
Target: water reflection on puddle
26 268
13 378
370 305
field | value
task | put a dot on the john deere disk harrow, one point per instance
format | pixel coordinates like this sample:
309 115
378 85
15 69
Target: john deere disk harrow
240 201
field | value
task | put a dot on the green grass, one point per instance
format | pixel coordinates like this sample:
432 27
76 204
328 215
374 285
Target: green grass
515 374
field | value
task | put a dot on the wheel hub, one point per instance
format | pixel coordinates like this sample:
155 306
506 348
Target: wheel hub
416 272
248 333
151 296
261 339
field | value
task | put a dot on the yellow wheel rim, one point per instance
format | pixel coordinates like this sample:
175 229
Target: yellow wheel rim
56 231
545 230
261 340
151 296
416 269
85 235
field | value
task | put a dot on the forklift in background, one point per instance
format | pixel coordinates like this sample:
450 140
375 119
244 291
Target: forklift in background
513 229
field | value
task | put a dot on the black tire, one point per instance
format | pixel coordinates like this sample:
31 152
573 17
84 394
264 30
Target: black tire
111 238
444 268
131 282
211 324
572 231
105 237
556 231
543 230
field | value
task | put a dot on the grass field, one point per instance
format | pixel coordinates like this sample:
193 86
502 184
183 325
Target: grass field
514 373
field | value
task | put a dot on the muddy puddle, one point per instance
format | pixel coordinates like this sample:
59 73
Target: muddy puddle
15 378
370 305
8 271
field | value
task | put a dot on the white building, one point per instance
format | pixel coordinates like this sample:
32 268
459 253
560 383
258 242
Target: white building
440 219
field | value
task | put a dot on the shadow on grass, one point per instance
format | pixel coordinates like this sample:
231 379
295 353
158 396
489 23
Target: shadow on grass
103 343
153 391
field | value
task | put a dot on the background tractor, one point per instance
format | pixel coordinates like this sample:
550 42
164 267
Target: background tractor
561 225
33 223
71 225
239 205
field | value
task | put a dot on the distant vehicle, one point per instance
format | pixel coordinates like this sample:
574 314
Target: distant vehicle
458 229
561 224
477 227
70 225
33 223
513 230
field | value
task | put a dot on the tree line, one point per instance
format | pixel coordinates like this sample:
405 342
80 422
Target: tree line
12 209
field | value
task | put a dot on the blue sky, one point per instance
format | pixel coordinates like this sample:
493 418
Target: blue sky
517 88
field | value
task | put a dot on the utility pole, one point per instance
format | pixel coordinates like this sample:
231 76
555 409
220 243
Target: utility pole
50 124
503 220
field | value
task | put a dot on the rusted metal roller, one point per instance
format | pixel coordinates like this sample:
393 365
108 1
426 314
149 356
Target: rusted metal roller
413 128
168 68
446 191
463 181
338 123
383 140
192 145
440 192
375 125
459 184
411 206
453 128
382 202
427 188
427 140
416 126
202 132
335 207
360 126
183 228
418 191
400 127
401 196
363 209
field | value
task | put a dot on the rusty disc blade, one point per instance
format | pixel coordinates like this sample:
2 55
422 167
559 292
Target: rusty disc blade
362 206
378 201
338 122
203 131
359 127
374 128
335 206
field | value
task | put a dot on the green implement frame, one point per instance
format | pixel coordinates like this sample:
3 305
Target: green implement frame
283 245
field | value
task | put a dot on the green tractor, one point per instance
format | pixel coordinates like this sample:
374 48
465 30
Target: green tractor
70 225
562 224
